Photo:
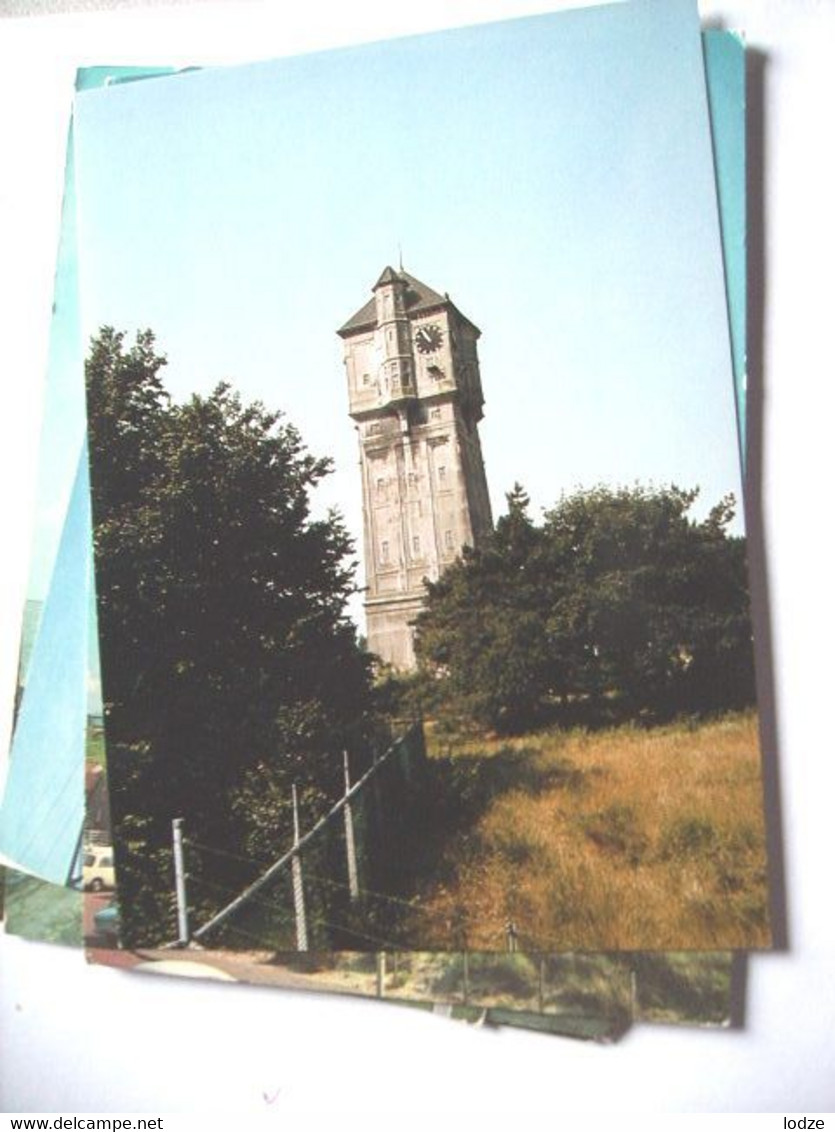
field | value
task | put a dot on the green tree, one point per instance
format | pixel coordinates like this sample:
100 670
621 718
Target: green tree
125 402
647 602
225 643
619 601
483 634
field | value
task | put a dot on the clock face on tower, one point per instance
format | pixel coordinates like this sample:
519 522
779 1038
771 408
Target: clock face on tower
429 338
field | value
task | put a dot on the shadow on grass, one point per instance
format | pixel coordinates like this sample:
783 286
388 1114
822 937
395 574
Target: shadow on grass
602 712
463 786
459 789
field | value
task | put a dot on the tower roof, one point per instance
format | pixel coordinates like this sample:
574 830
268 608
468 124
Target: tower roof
418 298
389 276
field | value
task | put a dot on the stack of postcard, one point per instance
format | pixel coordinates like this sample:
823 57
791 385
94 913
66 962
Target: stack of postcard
394 637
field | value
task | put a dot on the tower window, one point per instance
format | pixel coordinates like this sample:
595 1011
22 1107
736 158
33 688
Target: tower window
442 472
381 486
448 540
416 545
434 414
384 552
366 379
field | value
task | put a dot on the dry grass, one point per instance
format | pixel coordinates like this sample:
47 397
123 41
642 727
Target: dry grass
628 839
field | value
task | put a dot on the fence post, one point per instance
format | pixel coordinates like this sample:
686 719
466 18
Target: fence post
633 993
381 974
180 882
512 936
350 844
298 882
541 990
466 978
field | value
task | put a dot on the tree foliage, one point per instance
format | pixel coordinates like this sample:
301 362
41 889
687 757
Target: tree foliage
225 643
618 601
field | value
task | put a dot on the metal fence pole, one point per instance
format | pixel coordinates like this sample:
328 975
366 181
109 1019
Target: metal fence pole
298 882
180 882
633 994
364 783
350 844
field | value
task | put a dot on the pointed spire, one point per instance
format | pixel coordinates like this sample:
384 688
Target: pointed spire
389 276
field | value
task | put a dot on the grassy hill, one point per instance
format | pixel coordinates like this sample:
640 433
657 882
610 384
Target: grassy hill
625 839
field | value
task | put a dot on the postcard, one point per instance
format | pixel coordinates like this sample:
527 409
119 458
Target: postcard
43 802
507 726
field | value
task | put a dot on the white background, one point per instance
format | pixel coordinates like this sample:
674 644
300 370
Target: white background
78 1039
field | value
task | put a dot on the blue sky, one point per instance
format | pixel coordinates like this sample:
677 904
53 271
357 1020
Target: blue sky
554 174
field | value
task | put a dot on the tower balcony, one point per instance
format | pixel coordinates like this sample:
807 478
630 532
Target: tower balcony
397 378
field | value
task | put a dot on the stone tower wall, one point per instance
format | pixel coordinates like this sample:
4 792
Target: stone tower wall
423 482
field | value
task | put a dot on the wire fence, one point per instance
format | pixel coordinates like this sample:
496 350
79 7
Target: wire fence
333 886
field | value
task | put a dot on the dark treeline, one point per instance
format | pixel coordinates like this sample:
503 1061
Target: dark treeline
230 669
617 605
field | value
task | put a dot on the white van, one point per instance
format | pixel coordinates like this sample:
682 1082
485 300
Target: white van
98 868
